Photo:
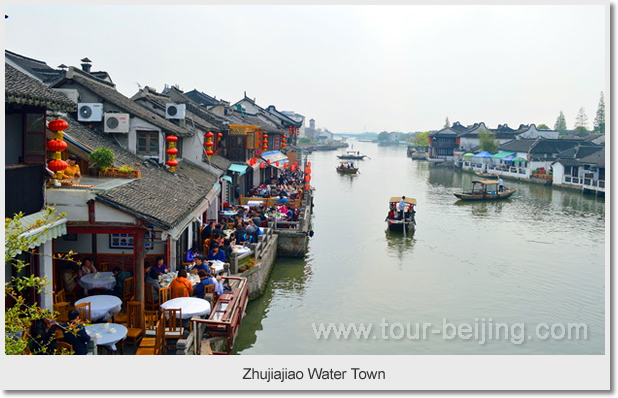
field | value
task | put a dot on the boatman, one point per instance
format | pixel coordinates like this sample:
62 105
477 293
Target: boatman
500 185
401 206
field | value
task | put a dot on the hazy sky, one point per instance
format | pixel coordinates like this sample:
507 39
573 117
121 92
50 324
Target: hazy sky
351 68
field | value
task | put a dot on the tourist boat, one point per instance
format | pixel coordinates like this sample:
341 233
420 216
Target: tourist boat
352 155
347 168
406 222
485 190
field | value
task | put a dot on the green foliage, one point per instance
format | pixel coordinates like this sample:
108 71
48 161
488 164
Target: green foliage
581 120
383 136
487 141
18 314
542 126
304 141
125 168
560 124
599 120
103 158
422 139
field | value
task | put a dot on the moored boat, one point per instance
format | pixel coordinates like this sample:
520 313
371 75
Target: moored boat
352 155
401 212
347 168
486 190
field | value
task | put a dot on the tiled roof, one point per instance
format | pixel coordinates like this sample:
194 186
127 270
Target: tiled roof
22 89
517 145
35 67
201 98
597 158
555 146
159 196
109 93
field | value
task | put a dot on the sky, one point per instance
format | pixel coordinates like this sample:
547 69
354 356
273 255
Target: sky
352 69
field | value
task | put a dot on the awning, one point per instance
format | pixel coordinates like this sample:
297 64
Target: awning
508 158
275 156
467 155
55 227
520 160
238 168
483 154
227 178
502 154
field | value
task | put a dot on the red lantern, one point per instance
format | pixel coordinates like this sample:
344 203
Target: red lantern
277 163
308 164
268 162
307 187
307 170
171 138
283 145
56 145
307 178
219 136
57 125
285 165
293 167
262 165
209 135
57 165
172 163
172 151
209 152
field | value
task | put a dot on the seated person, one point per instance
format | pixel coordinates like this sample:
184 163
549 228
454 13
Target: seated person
199 264
216 254
69 280
87 267
160 267
120 276
191 253
72 170
181 286
75 334
151 278
282 199
205 280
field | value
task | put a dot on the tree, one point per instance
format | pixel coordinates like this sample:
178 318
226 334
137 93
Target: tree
560 124
581 120
383 136
19 315
543 126
447 124
421 139
487 141
599 120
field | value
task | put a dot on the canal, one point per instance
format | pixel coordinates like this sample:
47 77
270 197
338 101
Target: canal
530 270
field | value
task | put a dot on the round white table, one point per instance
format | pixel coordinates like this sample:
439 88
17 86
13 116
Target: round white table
98 280
240 249
107 334
190 306
102 306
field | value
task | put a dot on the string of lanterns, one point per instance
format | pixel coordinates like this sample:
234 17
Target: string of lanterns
57 146
209 144
172 151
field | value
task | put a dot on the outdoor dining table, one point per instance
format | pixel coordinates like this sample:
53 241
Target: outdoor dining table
102 307
166 279
190 306
98 280
107 334
240 249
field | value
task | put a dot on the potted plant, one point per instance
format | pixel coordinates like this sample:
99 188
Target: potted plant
102 159
127 171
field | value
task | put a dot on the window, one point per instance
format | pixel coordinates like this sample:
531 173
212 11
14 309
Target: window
148 143
34 139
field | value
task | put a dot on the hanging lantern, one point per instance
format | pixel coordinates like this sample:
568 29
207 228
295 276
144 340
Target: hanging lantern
308 164
307 178
307 170
262 165
172 151
307 187
277 163
219 136
268 162
56 145
285 165
57 125
57 165
209 144
293 167
283 145
296 164
209 135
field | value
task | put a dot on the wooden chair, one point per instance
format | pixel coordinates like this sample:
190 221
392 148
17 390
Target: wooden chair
85 313
127 290
104 266
173 323
60 296
206 246
62 309
151 320
165 293
64 346
135 323
149 298
159 342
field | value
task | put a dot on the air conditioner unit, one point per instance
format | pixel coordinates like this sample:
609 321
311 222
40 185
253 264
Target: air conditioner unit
175 111
116 123
90 112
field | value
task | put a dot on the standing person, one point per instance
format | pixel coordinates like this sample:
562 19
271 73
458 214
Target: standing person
401 206
86 268
75 334
160 266
181 286
500 185
72 170
207 231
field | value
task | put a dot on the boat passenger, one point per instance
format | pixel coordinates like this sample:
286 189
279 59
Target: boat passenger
401 206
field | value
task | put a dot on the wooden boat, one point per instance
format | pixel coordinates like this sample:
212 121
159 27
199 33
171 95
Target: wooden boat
485 190
397 221
347 168
352 155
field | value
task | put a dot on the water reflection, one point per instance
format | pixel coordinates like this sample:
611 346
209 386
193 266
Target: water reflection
398 245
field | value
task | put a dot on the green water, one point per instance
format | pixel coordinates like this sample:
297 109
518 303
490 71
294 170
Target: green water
533 260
